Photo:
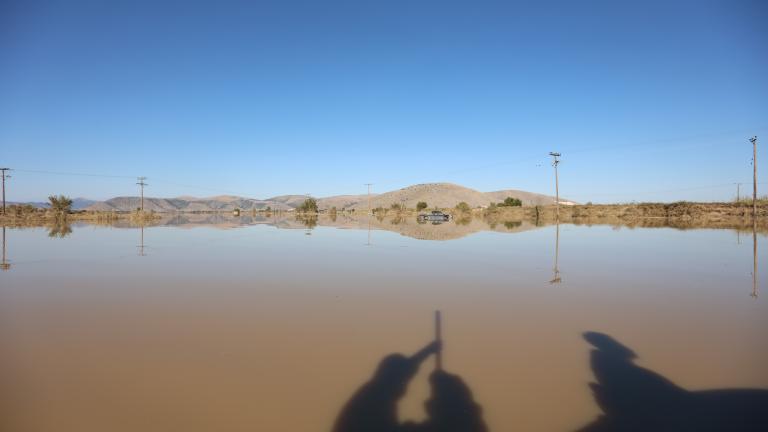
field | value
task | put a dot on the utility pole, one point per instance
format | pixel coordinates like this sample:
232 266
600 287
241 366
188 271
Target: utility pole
753 140
738 195
369 196
4 176
142 184
555 162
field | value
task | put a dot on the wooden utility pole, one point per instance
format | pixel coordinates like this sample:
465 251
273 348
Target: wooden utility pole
754 176
369 196
738 190
141 185
4 176
555 162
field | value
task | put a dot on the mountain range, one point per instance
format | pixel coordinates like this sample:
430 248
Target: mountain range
442 195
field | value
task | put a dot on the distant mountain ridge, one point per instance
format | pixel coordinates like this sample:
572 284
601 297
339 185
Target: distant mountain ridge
77 203
442 195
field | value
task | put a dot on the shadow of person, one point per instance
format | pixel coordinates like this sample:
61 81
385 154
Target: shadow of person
637 399
373 408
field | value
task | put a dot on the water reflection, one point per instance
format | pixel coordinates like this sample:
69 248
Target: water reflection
754 258
59 228
556 279
309 222
200 354
141 241
632 398
4 265
368 243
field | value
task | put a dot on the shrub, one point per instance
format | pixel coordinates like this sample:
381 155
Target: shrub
421 205
60 204
463 207
511 202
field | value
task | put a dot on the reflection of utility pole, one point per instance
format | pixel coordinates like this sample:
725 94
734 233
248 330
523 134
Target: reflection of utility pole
4 176
369 231
4 265
754 258
142 184
141 246
369 196
556 279
555 162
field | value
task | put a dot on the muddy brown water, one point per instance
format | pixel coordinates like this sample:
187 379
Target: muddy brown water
274 324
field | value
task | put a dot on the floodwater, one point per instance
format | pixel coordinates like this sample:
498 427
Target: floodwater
274 325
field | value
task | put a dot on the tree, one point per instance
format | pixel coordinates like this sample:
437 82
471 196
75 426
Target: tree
463 207
421 205
308 206
60 204
511 202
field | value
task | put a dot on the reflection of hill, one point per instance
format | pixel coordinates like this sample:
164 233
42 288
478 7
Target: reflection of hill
410 227
407 225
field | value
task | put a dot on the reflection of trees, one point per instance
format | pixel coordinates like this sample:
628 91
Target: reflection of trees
512 224
309 221
464 220
59 228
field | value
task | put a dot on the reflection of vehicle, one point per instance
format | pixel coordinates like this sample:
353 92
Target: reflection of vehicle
434 216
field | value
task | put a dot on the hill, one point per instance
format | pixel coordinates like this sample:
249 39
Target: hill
434 194
186 205
448 195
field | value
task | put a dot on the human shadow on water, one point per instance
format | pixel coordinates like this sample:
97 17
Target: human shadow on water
637 399
373 408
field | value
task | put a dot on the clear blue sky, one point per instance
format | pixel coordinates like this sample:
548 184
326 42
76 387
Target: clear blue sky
646 100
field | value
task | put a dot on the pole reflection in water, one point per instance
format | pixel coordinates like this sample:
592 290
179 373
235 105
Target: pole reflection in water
141 245
369 231
5 265
556 279
754 258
